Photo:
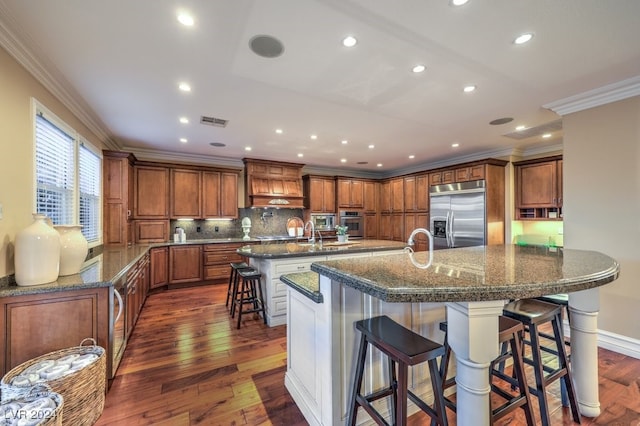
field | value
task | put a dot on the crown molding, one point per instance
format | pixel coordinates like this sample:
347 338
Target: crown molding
20 46
603 95
181 157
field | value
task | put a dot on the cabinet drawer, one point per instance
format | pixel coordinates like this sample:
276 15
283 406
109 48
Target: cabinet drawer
279 306
222 247
214 258
217 272
280 288
288 268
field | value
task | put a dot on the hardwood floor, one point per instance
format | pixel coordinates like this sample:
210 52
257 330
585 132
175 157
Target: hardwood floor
186 364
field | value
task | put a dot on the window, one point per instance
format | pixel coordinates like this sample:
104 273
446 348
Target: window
68 176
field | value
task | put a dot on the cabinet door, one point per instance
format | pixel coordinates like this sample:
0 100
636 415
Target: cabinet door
211 199
385 197
413 221
159 269
410 194
371 225
152 192
422 193
344 193
151 231
357 194
229 195
316 195
328 196
115 180
537 185
384 229
397 195
185 194
185 264
370 197
559 183
115 224
397 227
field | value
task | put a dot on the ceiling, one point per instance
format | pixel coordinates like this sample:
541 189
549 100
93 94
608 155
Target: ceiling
121 62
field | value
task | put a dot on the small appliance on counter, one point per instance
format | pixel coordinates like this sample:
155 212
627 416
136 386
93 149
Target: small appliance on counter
179 235
323 222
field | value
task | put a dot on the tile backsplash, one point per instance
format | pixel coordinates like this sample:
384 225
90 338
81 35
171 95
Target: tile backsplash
263 222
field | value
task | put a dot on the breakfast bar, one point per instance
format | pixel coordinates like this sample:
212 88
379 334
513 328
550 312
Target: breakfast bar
471 284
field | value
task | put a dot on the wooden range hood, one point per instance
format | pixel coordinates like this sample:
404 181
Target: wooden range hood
273 184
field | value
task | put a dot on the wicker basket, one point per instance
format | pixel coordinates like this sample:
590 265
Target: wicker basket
83 391
53 418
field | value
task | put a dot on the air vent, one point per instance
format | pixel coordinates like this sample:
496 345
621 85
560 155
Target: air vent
540 130
213 121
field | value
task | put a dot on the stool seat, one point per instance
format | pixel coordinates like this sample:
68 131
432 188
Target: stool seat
233 283
533 313
404 348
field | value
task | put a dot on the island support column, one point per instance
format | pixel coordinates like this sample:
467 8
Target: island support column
473 336
584 306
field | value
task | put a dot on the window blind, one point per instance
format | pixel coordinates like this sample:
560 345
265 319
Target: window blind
89 189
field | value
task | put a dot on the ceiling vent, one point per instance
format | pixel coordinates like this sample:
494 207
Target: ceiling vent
213 121
540 130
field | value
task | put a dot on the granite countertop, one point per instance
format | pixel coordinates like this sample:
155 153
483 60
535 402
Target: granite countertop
290 250
103 269
474 273
307 283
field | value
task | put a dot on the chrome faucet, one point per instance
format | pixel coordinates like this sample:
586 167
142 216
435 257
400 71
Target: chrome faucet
312 237
411 242
319 235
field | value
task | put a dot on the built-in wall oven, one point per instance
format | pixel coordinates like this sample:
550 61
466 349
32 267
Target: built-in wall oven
324 221
354 220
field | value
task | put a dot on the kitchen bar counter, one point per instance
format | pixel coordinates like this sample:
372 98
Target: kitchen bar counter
303 249
471 284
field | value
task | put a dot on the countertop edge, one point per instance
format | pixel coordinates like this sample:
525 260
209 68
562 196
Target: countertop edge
305 283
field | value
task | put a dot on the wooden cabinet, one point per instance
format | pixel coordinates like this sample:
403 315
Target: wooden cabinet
151 231
186 194
350 193
137 287
413 221
319 194
32 325
220 195
159 268
385 197
469 173
151 192
384 227
371 225
539 189
442 177
371 190
416 193
185 264
217 258
273 184
117 198
392 196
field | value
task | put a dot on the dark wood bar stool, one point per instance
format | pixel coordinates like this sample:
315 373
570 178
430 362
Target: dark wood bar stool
404 348
510 335
249 293
233 282
534 313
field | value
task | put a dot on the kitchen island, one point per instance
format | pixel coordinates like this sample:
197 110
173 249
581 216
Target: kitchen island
274 260
471 283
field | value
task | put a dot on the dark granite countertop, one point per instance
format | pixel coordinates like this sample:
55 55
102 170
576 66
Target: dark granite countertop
307 283
473 273
291 250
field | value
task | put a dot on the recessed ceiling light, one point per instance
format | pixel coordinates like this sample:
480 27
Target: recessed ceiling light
371 146
412 156
183 140
349 41
458 2
455 145
546 135
279 131
343 160
418 69
344 142
184 120
314 137
300 155
469 89
247 148
523 38
184 87
185 19
519 128
379 165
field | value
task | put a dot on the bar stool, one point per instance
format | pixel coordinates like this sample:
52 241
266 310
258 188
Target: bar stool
510 335
249 293
233 281
405 348
534 313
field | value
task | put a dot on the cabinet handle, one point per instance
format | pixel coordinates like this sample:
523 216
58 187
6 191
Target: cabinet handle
300 267
120 303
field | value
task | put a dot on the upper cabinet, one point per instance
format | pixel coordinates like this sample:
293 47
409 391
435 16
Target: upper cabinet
442 177
203 194
151 199
118 197
371 190
392 196
273 184
469 173
319 193
539 188
416 193
350 193
186 193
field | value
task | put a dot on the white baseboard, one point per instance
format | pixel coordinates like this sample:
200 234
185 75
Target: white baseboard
613 342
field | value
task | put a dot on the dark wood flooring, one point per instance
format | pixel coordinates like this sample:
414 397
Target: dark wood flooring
186 364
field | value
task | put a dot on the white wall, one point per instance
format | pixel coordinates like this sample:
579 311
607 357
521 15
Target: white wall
602 202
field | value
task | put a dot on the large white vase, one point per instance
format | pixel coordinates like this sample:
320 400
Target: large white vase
37 255
73 248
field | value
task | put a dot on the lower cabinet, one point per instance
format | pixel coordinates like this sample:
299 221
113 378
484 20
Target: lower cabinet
33 325
137 286
217 258
185 264
159 269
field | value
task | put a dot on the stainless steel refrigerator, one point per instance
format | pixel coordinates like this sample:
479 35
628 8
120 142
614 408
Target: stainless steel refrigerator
458 216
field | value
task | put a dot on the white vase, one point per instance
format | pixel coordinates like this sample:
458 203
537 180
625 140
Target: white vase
73 248
343 238
37 255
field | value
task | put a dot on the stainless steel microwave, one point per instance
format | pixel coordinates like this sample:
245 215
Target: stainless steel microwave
324 222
